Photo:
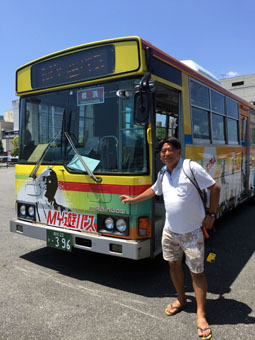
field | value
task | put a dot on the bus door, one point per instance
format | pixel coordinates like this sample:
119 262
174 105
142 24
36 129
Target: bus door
167 108
245 156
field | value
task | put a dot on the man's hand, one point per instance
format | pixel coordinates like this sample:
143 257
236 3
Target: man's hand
208 222
126 199
149 193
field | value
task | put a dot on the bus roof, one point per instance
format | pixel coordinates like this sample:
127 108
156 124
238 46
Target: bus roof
205 76
187 69
200 69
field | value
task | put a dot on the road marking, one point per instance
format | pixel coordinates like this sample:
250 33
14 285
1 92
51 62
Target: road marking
93 292
90 291
139 311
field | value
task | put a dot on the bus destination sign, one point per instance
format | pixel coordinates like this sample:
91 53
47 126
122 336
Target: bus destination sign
90 96
74 67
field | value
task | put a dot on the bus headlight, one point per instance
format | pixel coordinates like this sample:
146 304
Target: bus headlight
26 211
121 225
109 224
113 225
31 211
22 210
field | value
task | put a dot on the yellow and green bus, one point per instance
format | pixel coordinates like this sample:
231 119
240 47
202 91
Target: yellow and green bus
90 121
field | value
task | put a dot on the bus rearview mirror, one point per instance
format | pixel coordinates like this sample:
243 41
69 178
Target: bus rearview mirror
142 107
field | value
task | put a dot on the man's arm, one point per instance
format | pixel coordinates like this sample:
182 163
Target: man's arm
214 200
214 197
148 193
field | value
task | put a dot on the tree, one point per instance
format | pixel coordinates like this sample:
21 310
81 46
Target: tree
15 150
1 147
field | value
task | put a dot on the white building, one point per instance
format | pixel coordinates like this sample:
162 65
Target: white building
8 116
15 109
242 86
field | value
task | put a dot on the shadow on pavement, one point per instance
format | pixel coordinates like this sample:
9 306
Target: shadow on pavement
234 245
233 242
223 311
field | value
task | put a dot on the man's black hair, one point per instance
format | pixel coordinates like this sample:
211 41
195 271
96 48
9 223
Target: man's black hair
170 140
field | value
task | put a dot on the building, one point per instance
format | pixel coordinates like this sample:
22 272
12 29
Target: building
9 126
8 116
15 109
242 86
5 127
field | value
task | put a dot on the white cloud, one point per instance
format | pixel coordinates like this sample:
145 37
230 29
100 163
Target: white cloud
231 74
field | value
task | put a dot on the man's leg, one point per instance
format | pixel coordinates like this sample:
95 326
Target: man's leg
173 253
177 277
200 288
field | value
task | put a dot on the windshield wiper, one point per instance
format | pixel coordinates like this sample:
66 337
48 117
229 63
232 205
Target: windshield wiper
44 151
90 173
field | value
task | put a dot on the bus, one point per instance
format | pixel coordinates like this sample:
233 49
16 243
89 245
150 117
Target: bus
91 118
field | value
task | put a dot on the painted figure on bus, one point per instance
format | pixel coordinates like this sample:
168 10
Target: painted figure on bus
48 184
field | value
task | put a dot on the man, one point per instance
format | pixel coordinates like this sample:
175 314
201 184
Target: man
182 232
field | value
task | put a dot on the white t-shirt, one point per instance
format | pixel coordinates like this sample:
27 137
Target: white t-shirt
184 207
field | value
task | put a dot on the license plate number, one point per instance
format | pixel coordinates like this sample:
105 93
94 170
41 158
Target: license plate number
59 240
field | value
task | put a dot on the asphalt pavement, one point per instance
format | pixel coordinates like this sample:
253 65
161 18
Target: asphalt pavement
52 294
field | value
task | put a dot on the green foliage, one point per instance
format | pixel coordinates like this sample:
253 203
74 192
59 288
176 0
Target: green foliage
15 150
160 133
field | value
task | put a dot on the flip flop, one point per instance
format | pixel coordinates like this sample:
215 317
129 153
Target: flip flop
177 310
204 329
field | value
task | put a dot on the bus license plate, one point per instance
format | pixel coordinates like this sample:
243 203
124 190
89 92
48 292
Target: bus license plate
59 240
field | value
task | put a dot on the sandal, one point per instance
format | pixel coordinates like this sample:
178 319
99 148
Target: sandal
204 329
176 310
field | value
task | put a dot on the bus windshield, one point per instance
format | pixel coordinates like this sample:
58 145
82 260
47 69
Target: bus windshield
99 123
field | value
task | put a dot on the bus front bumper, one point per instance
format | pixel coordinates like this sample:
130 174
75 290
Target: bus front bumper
94 242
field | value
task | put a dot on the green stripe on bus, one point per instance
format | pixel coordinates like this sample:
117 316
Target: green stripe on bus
21 176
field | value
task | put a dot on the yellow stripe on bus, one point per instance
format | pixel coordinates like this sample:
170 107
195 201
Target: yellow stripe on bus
23 171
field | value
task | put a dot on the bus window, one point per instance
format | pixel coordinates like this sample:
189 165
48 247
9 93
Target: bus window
231 108
200 114
218 132
99 123
166 126
232 121
252 134
199 94
41 121
200 124
217 102
215 117
232 128
167 110
161 123
243 130
252 126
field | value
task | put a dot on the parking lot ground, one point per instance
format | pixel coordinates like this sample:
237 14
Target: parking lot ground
50 294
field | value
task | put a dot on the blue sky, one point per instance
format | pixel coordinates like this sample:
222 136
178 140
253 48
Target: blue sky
219 34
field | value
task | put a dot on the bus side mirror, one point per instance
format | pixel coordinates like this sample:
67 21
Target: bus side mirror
143 100
142 107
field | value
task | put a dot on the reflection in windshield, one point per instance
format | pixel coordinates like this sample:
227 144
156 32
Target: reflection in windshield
100 125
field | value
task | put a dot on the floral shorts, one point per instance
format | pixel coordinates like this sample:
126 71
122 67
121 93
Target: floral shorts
192 244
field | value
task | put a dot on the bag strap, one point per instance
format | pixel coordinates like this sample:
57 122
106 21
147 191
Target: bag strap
162 172
194 181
